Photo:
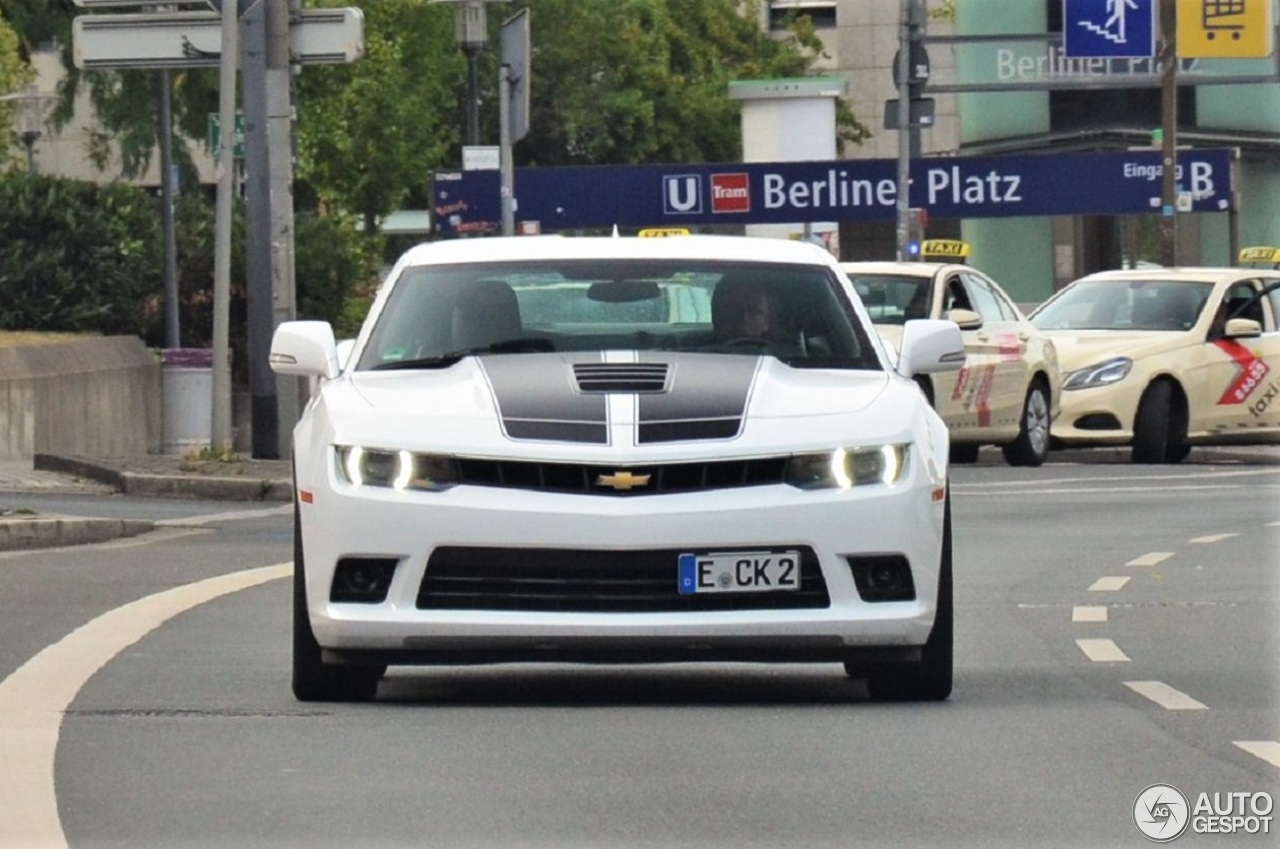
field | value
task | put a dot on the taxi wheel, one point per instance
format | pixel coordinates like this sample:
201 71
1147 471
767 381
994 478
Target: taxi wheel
1031 448
1160 427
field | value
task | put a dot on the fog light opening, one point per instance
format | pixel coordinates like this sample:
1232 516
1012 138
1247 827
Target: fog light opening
363 580
883 577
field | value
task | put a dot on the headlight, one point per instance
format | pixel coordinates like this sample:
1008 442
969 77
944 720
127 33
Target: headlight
1099 374
398 470
848 467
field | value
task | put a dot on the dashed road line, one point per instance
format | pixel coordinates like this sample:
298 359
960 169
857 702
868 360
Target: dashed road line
1102 651
1165 696
1268 750
1211 538
1109 584
1088 613
1150 558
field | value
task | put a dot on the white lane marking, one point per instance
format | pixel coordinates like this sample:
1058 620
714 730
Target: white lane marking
1151 558
1165 696
1102 651
34 697
230 516
1110 584
1275 524
1088 613
1268 750
1212 538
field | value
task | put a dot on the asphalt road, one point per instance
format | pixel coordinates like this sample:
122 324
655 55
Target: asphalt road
1116 628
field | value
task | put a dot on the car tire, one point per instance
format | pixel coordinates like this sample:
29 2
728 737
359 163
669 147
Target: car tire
1031 448
930 678
1155 436
313 679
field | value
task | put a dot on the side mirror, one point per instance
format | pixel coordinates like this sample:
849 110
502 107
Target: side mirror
929 346
1242 328
304 348
965 319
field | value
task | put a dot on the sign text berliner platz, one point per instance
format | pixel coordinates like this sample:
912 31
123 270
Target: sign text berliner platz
662 196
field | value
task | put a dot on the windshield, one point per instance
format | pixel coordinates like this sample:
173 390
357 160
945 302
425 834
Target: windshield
1125 305
435 315
894 298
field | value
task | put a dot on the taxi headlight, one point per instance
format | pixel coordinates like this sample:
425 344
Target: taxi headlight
399 470
1098 374
848 467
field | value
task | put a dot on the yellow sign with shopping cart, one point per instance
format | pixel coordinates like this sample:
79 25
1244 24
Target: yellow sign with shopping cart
1224 29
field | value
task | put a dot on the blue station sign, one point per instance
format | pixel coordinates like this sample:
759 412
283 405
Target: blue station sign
568 198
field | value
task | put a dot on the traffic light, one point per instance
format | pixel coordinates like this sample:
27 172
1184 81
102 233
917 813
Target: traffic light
917 221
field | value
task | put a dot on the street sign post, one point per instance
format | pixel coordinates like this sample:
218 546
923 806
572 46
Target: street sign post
1108 28
194 39
214 134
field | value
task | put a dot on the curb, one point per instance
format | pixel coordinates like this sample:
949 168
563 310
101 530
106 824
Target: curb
21 532
184 486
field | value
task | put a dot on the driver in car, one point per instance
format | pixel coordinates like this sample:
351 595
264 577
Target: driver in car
742 311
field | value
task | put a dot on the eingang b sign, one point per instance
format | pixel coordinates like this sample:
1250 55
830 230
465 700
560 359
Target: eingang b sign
1112 183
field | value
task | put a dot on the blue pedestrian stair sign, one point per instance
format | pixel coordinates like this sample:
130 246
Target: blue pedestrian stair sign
1113 29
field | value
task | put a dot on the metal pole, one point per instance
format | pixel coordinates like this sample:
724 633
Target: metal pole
904 127
504 132
1169 124
172 335
221 415
473 95
280 112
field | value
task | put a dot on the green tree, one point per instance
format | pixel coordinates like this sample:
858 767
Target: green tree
634 81
14 72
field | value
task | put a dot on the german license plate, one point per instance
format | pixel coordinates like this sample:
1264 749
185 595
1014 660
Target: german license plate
739 572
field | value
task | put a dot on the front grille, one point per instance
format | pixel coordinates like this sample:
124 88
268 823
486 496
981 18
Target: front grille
658 479
621 377
575 581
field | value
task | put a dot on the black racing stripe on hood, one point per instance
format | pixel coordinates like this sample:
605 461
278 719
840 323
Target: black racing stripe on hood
706 399
536 399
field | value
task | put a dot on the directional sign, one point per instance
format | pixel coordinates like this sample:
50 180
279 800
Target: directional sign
194 39
1227 29
1108 28
214 134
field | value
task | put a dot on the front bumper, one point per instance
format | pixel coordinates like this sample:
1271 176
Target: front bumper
341 521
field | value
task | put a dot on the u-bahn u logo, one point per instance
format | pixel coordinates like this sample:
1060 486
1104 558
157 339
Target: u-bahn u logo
681 194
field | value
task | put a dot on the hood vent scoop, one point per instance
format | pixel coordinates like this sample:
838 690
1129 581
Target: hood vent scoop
621 377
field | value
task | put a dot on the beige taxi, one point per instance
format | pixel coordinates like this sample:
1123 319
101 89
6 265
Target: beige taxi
1164 359
1007 392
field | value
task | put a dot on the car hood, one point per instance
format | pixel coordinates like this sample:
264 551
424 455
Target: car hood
1080 348
652 400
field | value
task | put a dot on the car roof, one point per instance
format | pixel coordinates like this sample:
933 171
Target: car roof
1192 274
910 269
713 247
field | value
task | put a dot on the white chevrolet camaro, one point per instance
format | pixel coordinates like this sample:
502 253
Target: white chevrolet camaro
620 450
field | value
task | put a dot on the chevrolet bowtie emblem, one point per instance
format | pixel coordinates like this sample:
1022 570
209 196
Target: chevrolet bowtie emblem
622 480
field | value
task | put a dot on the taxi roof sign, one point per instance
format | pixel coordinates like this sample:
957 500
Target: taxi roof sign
1259 255
659 232
945 248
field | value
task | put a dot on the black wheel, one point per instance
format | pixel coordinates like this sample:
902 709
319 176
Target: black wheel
1031 448
1155 437
929 679
313 679
964 452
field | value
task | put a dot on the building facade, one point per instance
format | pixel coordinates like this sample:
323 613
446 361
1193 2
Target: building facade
1042 103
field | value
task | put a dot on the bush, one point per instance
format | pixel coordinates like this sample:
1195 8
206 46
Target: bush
77 256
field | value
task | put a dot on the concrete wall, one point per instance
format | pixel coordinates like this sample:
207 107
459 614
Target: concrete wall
97 397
